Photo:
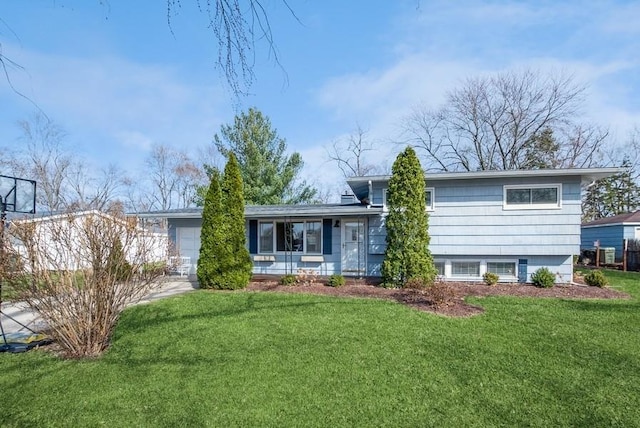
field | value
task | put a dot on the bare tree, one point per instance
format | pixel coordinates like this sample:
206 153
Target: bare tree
174 178
99 191
42 157
78 272
499 122
65 182
350 155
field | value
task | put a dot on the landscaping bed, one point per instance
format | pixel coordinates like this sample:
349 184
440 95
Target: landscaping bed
450 296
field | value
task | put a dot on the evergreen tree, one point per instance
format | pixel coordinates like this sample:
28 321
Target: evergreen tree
211 236
235 261
269 175
618 194
407 256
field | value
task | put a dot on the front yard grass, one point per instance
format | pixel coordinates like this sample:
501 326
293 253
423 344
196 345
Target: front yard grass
267 359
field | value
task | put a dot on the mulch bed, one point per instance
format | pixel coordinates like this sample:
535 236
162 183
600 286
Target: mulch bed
447 299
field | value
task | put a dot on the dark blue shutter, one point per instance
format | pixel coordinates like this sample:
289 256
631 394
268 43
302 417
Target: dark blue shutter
522 271
327 230
253 236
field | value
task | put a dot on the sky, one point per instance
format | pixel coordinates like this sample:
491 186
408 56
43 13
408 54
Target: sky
118 79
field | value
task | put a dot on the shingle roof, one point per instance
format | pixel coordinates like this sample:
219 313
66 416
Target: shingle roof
263 211
633 217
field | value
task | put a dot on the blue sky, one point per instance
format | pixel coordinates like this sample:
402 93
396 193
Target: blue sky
118 81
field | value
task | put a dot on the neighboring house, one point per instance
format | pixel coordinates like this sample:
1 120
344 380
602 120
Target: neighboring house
63 239
507 222
611 232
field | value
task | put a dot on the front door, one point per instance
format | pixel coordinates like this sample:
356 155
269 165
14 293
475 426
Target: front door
353 247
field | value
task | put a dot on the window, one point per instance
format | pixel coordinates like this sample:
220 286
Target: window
290 236
295 236
439 268
502 268
532 197
465 269
429 191
266 237
314 237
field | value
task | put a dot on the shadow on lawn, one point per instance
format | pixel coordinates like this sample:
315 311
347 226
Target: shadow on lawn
144 317
613 306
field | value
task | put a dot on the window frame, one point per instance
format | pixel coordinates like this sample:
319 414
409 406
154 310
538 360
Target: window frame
477 262
504 275
430 207
274 244
531 205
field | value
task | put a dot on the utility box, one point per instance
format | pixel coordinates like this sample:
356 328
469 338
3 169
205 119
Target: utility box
607 255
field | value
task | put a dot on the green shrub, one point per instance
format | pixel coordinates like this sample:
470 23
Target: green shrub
490 278
543 277
596 278
336 280
288 279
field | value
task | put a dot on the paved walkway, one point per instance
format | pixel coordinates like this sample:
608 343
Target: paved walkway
19 311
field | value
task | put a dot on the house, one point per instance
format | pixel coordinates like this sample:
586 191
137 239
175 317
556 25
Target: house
611 232
66 241
507 222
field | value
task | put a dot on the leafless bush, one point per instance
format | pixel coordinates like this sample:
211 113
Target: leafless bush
79 271
306 276
439 293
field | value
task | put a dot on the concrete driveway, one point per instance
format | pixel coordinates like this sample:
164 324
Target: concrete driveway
168 286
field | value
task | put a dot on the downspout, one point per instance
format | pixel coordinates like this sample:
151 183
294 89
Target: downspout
369 195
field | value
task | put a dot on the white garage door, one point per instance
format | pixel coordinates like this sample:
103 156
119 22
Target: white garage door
189 244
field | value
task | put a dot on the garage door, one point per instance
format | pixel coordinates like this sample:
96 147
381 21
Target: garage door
189 244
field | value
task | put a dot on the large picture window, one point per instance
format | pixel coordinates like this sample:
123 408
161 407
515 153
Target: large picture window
532 197
295 236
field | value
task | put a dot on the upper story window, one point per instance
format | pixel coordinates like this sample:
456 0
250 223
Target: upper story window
429 192
533 196
295 236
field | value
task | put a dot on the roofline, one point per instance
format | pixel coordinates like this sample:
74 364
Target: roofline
619 223
592 173
263 211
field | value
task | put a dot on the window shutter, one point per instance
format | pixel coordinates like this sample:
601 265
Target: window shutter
253 236
327 231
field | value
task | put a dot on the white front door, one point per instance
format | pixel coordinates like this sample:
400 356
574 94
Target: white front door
353 247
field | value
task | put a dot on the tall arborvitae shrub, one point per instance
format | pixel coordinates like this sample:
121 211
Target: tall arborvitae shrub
212 234
407 256
235 263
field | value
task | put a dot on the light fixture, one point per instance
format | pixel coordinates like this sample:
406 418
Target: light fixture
337 223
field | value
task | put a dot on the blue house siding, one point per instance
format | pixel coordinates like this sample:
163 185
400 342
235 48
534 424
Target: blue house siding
471 229
608 235
282 263
469 222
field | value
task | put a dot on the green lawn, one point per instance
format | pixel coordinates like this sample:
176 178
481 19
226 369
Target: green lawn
229 359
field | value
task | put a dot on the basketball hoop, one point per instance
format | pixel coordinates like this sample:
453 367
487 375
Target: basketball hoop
17 195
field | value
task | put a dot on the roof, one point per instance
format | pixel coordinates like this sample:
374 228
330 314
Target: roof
360 185
629 218
269 211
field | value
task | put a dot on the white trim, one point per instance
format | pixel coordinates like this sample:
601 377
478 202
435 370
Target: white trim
264 258
312 259
430 208
532 206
